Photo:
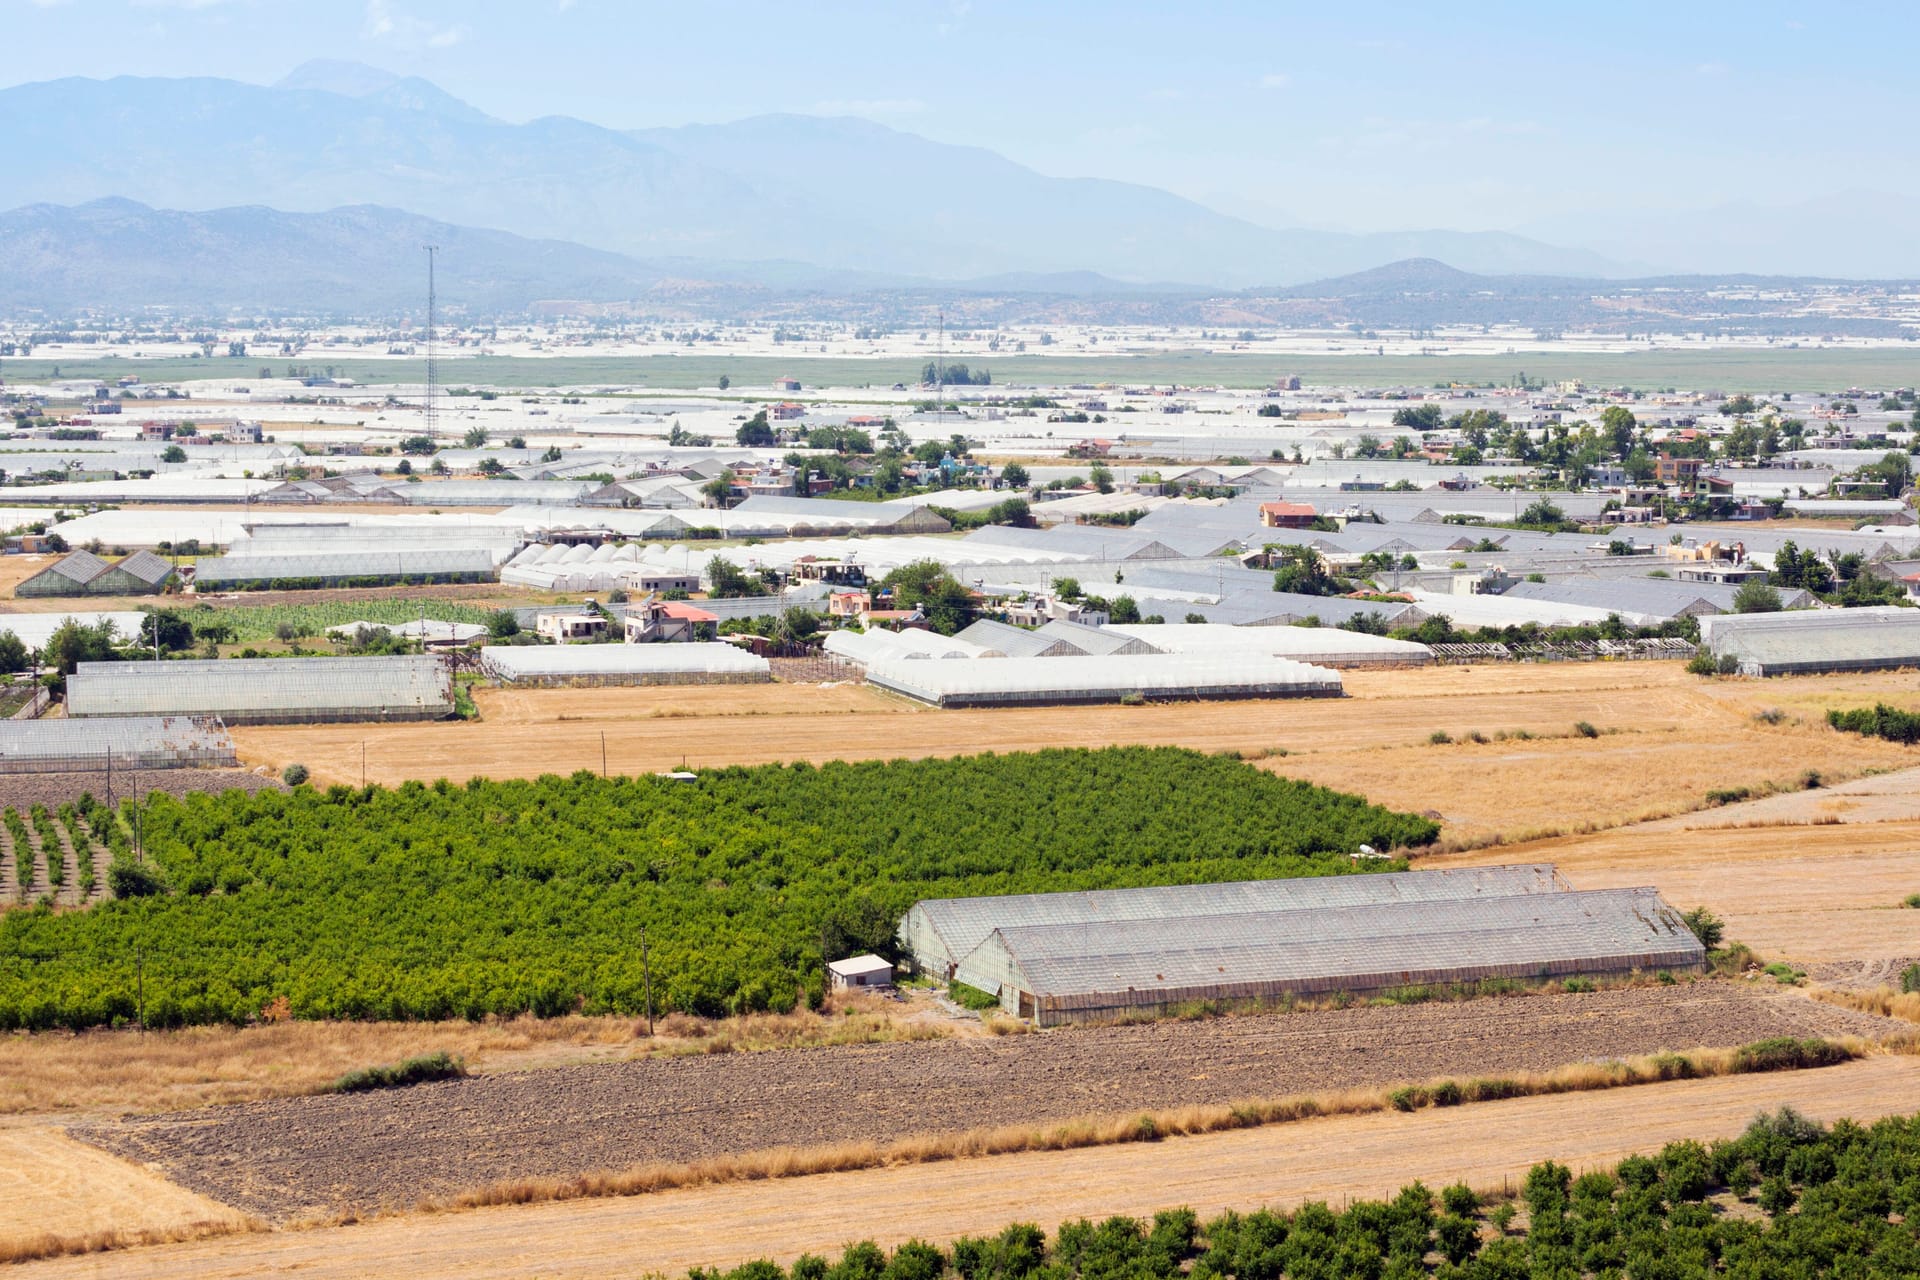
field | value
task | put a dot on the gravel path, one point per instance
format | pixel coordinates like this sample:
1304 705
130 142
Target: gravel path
286 1158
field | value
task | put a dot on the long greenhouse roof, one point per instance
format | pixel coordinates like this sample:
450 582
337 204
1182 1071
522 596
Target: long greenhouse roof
964 923
400 560
712 658
1090 678
259 685
1373 944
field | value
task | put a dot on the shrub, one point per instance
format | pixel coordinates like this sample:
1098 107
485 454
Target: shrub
1785 1053
1446 1094
1460 1200
1706 926
1911 900
1881 721
1585 730
1728 795
972 997
1439 737
1771 715
398 1075
294 774
1910 980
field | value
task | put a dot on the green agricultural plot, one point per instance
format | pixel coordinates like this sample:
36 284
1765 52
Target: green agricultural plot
1758 370
451 901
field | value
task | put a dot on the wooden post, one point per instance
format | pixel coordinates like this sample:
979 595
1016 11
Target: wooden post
603 753
646 969
140 985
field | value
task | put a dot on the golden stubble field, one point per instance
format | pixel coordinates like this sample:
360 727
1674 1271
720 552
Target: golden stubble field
1667 738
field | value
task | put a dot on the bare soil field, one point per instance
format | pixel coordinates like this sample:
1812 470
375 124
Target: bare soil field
1487 1145
304 1156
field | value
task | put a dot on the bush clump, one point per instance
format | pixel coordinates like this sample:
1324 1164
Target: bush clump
398 1075
1785 1053
294 774
1878 721
972 997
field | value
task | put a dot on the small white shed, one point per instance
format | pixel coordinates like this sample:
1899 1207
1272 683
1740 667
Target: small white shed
860 973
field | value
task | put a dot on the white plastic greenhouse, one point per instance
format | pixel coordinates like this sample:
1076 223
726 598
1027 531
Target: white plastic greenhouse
1154 677
868 647
266 690
624 664
1328 646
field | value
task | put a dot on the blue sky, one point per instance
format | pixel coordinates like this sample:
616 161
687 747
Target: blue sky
1557 119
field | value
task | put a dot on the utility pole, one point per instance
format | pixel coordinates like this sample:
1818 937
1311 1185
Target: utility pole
433 420
140 985
363 764
940 373
646 969
603 753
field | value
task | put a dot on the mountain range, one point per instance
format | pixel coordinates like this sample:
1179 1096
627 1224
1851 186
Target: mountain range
833 194
120 257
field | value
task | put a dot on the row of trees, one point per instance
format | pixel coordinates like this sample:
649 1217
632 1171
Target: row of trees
1785 1199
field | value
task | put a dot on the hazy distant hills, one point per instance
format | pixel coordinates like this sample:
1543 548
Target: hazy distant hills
838 194
117 256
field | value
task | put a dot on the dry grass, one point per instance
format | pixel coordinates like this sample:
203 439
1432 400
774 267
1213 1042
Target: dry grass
48 1244
202 1066
1884 1001
1146 1126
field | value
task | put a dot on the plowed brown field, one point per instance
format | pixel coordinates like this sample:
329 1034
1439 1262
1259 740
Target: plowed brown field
1336 1159
300 1156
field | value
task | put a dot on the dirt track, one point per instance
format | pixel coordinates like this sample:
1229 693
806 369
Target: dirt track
1336 1160
288 1158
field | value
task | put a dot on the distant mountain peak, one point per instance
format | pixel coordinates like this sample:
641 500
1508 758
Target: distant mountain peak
374 84
337 75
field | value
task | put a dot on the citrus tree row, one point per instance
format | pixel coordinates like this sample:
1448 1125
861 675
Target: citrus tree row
1786 1199
442 901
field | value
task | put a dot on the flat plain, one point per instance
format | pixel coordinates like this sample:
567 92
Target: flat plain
1810 874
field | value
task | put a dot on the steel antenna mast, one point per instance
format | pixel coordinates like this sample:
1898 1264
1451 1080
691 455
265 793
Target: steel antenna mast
433 373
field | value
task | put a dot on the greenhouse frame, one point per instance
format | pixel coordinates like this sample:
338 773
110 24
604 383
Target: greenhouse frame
596 665
134 742
1812 640
990 682
1055 973
401 565
938 932
267 690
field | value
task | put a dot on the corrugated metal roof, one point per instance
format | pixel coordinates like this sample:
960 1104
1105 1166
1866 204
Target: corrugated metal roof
964 923
1356 947
262 688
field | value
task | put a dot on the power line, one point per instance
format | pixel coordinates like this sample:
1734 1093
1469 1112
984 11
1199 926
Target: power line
433 374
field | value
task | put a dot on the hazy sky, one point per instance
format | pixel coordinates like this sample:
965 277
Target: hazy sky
1539 117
